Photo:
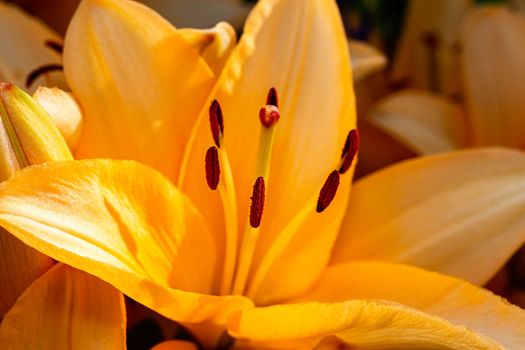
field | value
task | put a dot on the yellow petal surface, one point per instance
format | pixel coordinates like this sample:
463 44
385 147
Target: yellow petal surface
427 55
458 213
66 309
20 265
363 324
494 76
141 85
455 300
298 47
122 222
424 122
22 48
366 59
214 45
64 110
175 345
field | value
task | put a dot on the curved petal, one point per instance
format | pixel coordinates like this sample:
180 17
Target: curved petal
455 300
214 45
494 76
124 223
426 123
20 266
64 110
23 50
140 83
66 308
298 47
366 59
365 324
458 213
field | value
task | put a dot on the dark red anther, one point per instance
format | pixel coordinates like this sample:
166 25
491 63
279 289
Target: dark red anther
257 206
272 98
328 191
269 115
216 121
349 151
213 169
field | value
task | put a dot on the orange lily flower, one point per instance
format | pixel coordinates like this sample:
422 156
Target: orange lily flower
57 296
492 108
24 49
289 267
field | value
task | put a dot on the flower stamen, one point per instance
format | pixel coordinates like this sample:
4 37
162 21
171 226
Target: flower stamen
328 191
213 169
257 206
349 151
272 98
36 73
216 122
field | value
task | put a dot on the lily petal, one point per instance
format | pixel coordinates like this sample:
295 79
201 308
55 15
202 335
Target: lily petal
366 59
23 50
139 82
298 47
20 265
398 214
64 110
365 324
455 300
124 223
66 308
424 122
214 45
494 76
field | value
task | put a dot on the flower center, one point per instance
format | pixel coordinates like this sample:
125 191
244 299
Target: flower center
238 262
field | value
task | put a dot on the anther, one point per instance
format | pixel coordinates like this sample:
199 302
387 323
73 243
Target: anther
269 115
33 75
213 169
216 122
257 206
349 151
54 45
272 98
328 191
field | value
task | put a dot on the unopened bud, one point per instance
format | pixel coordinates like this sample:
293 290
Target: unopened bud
27 133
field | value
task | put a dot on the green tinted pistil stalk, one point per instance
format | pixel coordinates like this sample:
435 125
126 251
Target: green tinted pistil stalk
268 116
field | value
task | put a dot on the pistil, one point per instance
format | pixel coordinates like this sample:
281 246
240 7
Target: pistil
268 116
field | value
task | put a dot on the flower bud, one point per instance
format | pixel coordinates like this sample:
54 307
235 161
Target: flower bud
27 133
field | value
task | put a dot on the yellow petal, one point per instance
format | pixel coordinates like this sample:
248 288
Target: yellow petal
455 300
64 110
22 48
424 122
65 309
458 213
494 76
298 47
430 64
20 265
175 345
141 85
366 59
365 324
122 222
214 45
